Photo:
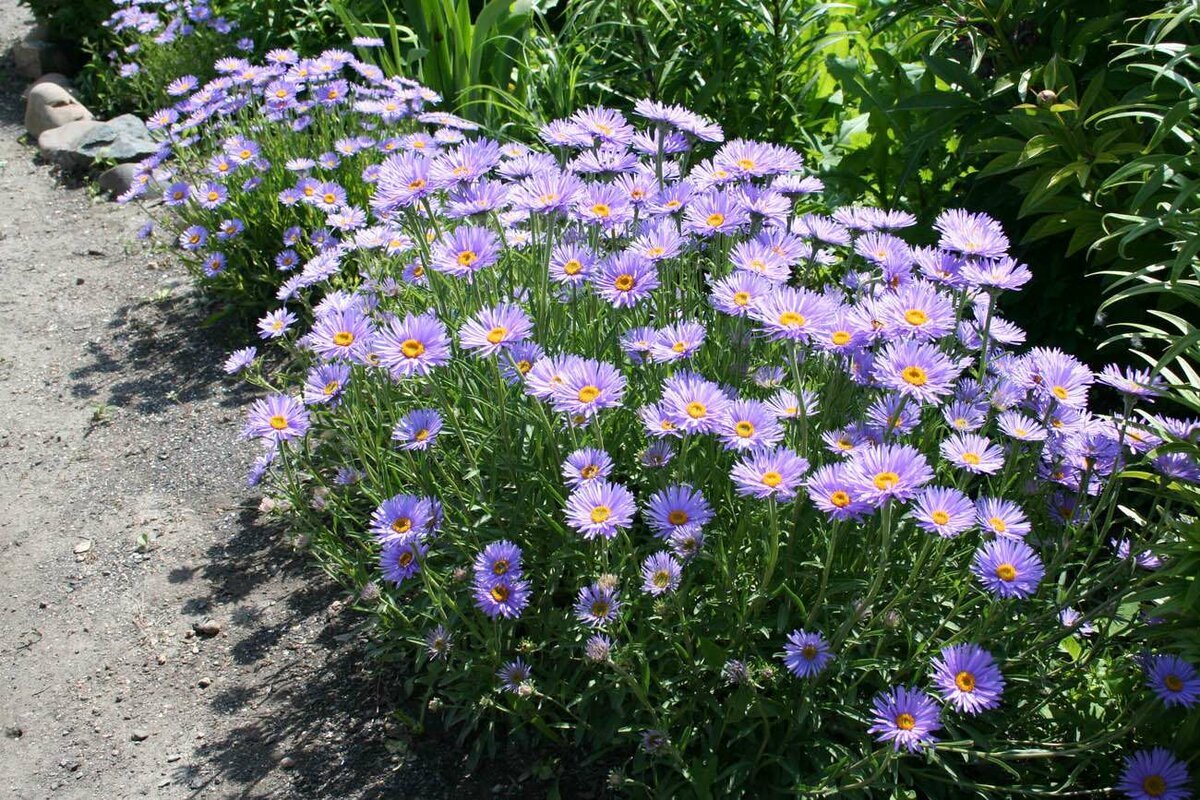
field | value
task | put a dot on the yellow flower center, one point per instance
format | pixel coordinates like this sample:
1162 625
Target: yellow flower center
679 347
845 444
421 435
523 366
1173 683
915 316
886 480
745 163
965 681
416 184
588 393
600 609
655 252
278 422
661 579
971 458
573 267
624 282
906 722
998 525
840 499
402 525
790 319
329 198
500 566
411 348
601 210
600 514
1006 572
496 335
499 593
715 220
841 338
589 472
1154 785
744 429
343 338
940 517
697 410
405 558
914 375
1059 392
467 257
772 478
741 298
213 197
331 388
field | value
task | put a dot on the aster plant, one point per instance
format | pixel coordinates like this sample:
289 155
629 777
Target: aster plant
750 493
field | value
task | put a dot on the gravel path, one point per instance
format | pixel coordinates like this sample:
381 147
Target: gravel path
126 525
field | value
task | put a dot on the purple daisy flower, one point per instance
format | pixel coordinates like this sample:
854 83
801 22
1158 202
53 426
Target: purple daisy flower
342 334
777 472
906 717
888 471
572 264
586 464
404 516
832 490
714 212
660 573
585 387
498 561
514 676
677 342
1008 568
625 279
735 294
973 453
1019 426
193 237
278 418
806 654
1070 618
791 314
1155 775
325 383
749 425
968 678
971 234
401 559
916 369
693 404
494 329
413 346
276 323
418 429
239 360
676 508
946 512
1173 680
465 251
502 598
1001 517
1132 382
597 605
919 310
600 508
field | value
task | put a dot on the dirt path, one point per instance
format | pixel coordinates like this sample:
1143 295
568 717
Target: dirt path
125 522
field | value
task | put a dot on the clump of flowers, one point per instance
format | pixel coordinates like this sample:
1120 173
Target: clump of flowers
631 419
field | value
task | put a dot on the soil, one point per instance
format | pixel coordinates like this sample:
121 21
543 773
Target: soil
126 526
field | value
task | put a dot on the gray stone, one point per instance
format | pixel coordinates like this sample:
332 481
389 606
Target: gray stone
51 106
34 57
118 180
61 145
122 139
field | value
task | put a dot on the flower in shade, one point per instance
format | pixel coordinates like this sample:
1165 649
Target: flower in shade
503 598
687 543
660 573
1070 618
239 360
418 429
1001 517
1173 680
325 384
598 648
887 471
974 453
597 604
777 473
1133 382
625 279
916 369
401 559
278 418
438 642
1008 567
413 346
654 741
946 512
498 561
586 464
493 329
1155 775
677 508
750 425
806 654
967 677
600 508
832 489
514 675
466 250
906 717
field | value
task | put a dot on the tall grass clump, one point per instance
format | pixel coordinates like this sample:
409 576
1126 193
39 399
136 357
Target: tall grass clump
629 443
